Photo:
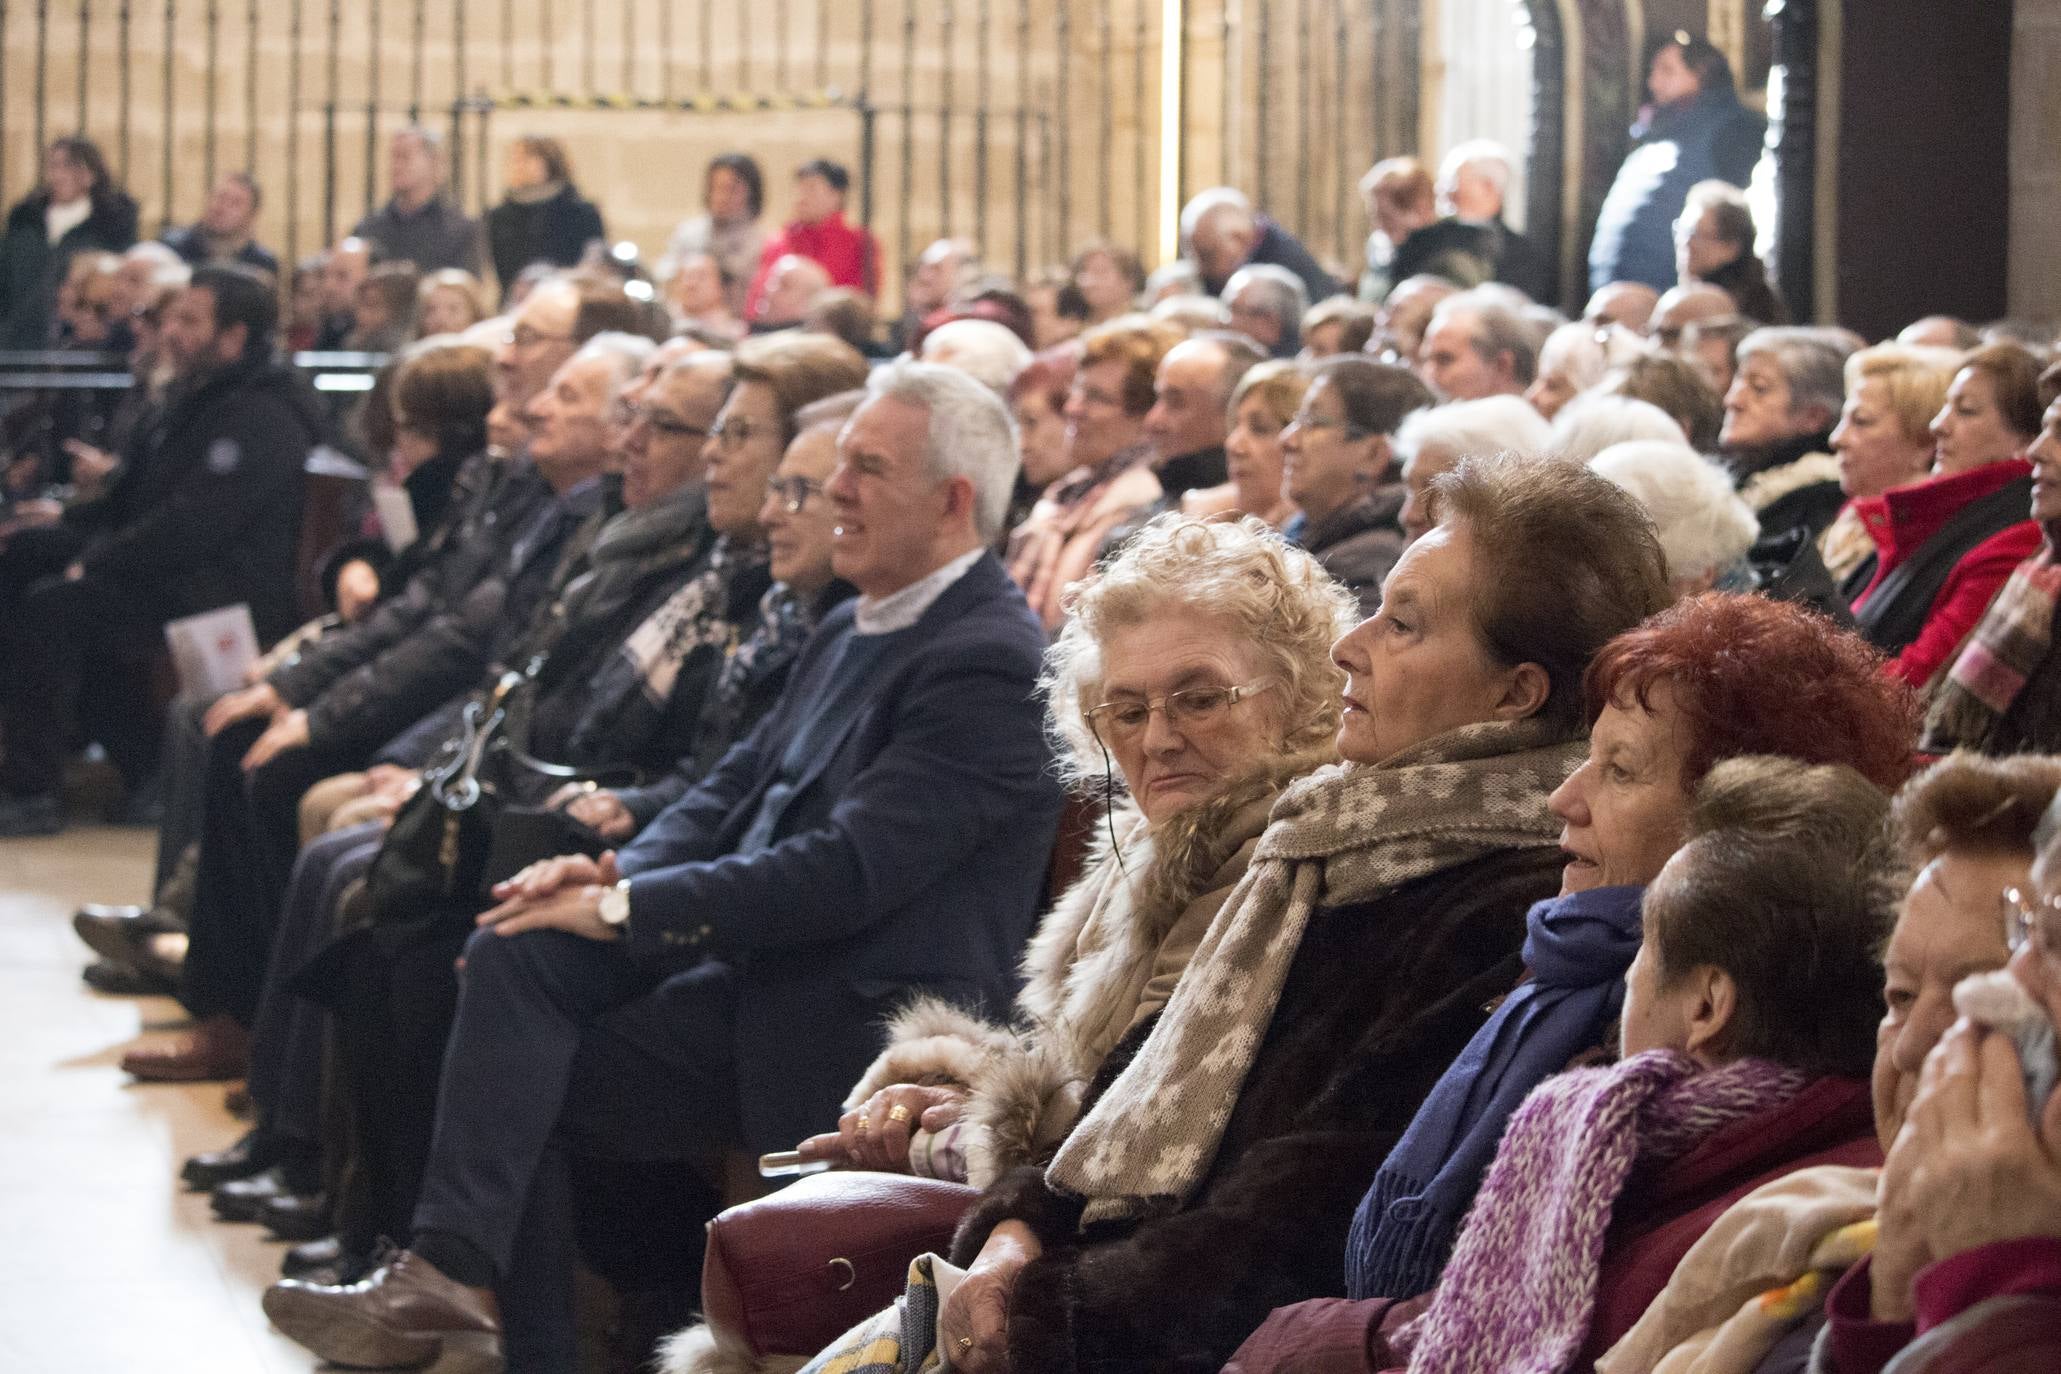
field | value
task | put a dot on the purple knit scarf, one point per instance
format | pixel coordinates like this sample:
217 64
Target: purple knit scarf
1520 1289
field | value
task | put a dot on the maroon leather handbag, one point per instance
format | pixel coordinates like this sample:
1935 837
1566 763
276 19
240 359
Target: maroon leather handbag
792 1272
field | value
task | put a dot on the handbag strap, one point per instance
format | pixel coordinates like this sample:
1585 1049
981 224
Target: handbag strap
456 785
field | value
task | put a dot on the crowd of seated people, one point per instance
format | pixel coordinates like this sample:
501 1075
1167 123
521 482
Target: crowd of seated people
1327 831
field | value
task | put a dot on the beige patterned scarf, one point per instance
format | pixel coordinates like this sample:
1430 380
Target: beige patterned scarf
1344 835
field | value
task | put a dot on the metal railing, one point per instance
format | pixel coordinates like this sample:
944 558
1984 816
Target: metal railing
1027 125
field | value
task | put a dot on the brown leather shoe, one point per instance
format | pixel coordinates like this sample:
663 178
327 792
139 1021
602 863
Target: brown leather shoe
215 1050
395 1319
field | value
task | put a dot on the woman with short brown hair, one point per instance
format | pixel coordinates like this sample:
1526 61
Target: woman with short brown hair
1111 478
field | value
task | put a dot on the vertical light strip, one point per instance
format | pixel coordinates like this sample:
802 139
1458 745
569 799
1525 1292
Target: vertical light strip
1173 20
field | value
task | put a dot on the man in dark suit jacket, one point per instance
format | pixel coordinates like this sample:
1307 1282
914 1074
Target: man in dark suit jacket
884 831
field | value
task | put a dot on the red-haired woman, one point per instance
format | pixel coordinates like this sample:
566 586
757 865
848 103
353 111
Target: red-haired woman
1713 678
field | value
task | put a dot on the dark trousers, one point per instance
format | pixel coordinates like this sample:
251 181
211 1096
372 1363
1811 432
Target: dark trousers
250 832
182 777
29 556
566 1051
564 1047
62 639
287 1033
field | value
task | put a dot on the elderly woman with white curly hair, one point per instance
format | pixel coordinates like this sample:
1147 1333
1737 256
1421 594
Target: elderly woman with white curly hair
1193 681
1194 675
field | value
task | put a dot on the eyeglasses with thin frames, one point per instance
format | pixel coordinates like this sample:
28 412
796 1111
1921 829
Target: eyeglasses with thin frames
734 434
793 492
1303 420
2031 918
628 414
1192 708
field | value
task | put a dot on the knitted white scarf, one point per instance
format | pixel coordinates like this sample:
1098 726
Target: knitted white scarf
1344 835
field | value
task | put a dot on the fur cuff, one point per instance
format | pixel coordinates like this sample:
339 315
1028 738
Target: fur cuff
1021 1107
930 1042
701 1349
1042 1338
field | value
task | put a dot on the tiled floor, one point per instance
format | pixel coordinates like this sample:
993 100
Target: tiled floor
106 1265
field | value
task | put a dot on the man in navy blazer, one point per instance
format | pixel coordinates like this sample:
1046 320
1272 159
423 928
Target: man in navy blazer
720 982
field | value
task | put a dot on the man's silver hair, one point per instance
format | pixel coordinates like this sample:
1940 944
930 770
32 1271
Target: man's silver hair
970 433
168 271
1812 360
626 353
1496 328
1484 155
1281 292
989 353
1207 205
429 138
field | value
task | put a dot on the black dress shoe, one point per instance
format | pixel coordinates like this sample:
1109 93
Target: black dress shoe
119 933
296 1216
311 1255
119 980
254 1152
242 1199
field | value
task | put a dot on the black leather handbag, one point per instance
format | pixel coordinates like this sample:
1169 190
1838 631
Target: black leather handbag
436 848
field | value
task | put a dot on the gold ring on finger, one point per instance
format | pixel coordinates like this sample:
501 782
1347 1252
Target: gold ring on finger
898 1112
966 1342
864 1125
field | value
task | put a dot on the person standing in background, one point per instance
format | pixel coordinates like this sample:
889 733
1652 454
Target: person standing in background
419 223
77 209
543 218
1695 130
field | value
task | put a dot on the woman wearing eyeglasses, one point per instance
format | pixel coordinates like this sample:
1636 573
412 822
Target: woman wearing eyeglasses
1193 675
1341 471
1967 1272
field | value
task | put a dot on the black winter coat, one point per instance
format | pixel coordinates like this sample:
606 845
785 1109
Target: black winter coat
1380 999
32 267
377 701
489 503
1360 543
206 511
556 230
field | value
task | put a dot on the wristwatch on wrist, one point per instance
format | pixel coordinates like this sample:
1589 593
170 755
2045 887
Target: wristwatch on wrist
615 906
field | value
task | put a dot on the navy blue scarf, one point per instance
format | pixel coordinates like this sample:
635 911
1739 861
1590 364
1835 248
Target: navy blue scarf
1577 949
